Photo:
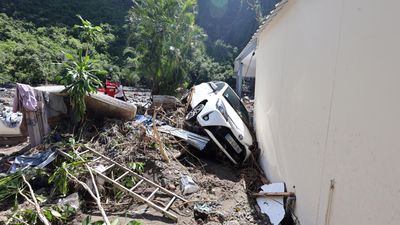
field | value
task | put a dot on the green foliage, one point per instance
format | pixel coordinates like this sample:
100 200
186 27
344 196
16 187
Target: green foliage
34 55
164 36
29 54
136 166
56 214
221 51
11 185
203 68
80 81
25 216
60 176
89 32
59 214
63 13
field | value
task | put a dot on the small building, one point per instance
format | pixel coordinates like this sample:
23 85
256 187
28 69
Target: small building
327 106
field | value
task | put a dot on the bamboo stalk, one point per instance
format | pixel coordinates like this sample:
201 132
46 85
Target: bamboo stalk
157 137
34 202
96 195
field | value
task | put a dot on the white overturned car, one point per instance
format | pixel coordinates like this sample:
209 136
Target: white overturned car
218 110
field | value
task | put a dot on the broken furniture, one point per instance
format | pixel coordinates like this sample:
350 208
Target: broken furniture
44 105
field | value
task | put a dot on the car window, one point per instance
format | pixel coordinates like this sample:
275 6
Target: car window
235 102
220 85
216 86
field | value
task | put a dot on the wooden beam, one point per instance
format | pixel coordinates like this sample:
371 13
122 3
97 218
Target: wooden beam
273 194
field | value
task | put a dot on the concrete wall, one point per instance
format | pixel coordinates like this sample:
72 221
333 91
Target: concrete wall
328 107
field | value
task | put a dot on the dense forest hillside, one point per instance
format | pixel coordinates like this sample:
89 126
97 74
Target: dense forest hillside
34 35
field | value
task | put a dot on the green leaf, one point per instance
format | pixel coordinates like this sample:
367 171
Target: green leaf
48 214
69 56
55 213
87 220
134 222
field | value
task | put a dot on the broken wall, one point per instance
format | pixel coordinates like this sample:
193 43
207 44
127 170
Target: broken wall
327 107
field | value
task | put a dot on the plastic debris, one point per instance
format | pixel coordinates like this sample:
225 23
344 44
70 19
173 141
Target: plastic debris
72 200
9 118
204 210
188 186
272 206
39 160
100 168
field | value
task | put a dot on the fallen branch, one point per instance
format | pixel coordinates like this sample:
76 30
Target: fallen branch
273 194
157 137
18 219
96 196
87 188
34 202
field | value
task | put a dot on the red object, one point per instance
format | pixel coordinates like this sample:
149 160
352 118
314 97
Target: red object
110 88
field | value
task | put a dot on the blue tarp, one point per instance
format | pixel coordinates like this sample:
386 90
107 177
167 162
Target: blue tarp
38 160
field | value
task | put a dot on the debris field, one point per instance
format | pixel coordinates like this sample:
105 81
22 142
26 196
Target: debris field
215 191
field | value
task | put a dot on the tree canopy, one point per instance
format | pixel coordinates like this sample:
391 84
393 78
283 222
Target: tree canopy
165 44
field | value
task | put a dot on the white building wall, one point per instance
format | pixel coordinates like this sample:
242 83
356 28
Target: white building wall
328 107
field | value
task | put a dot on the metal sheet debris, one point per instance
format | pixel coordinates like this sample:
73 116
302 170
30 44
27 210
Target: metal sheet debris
191 138
272 206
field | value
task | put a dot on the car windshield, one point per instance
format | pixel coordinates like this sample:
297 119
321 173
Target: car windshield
220 85
235 102
216 86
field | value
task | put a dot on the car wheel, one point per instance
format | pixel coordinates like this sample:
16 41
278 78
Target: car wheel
194 112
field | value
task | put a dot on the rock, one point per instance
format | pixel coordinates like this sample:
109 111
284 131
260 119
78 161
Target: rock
216 191
171 187
232 222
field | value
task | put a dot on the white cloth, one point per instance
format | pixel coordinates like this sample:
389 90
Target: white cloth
120 92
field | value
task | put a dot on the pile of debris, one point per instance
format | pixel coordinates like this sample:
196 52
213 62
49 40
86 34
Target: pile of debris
138 172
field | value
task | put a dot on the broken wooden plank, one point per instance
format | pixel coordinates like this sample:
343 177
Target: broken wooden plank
274 194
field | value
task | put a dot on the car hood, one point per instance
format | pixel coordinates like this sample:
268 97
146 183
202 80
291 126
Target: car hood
200 93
